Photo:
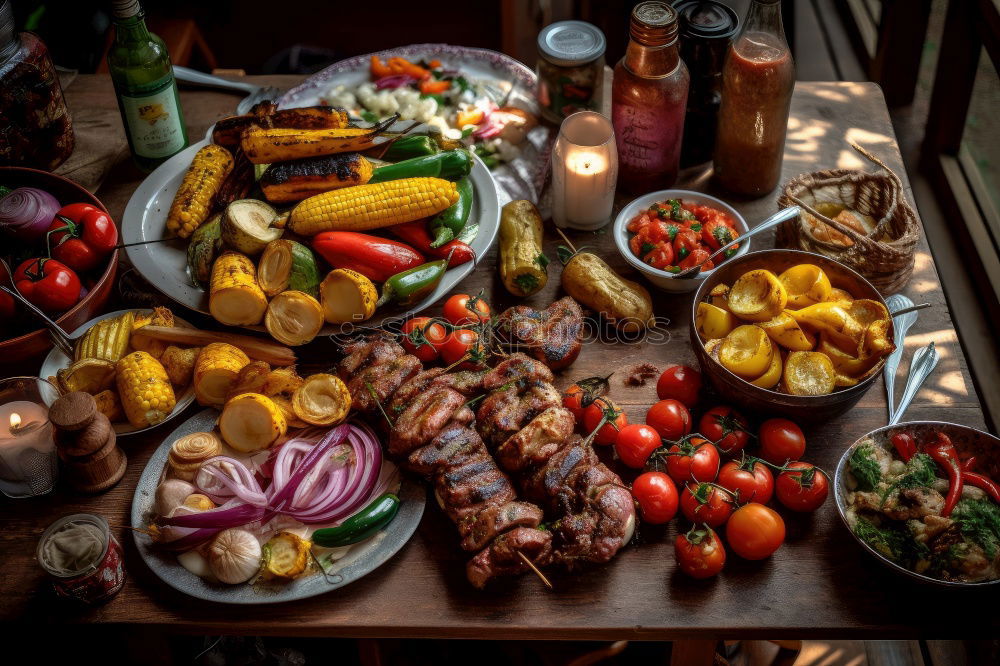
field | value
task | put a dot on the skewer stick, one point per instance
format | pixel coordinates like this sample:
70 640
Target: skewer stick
912 308
538 572
568 241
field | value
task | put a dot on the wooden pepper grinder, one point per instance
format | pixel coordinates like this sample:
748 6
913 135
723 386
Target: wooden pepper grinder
86 443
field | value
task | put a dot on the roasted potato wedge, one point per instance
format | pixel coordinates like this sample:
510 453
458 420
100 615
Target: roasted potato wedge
758 295
808 373
282 380
785 331
109 405
250 379
771 377
90 375
719 296
805 284
746 351
322 400
286 555
714 322
179 364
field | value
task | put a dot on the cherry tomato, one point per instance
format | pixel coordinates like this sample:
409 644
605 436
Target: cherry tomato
750 479
670 418
657 497
755 531
700 553
423 337
81 236
685 242
705 503
679 382
802 488
460 342
635 443
616 420
47 283
726 427
579 396
780 441
463 309
693 459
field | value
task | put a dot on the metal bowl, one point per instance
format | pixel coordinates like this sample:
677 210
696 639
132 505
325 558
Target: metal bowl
808 408
968 441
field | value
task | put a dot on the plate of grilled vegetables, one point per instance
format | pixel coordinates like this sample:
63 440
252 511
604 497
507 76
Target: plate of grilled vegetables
137 381
300 222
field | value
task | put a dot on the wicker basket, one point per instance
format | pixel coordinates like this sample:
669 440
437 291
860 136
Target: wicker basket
886 263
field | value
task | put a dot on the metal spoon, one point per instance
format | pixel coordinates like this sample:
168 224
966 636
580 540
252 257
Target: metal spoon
773 221
902 324
56 332
254 93
924 361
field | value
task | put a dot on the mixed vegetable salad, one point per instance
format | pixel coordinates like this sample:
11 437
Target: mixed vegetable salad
673 235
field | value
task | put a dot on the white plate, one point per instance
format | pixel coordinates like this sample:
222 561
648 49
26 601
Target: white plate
56 361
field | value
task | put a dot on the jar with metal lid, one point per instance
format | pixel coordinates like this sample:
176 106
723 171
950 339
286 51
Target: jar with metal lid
707 28
570 68
82 557
36 130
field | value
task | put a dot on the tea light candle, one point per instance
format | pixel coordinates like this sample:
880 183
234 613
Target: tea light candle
27 450
584 172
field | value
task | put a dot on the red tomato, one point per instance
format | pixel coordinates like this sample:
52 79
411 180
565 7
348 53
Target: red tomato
579 396
423 337
661 257
780 441
803 488
82 235
670 418
635 443
749 478
726 427
693 459
657 497
463 309
460 342
699 553
685 242
697 257
680 383
755 531
616 420
705 503
716 233
49 284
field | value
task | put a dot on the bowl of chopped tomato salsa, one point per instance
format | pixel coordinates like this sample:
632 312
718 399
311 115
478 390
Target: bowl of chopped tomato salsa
665 232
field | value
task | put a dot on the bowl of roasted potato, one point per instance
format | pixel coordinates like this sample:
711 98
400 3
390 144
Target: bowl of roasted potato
790 332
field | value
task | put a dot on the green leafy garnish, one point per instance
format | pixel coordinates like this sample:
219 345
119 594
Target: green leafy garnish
865 468
467 131
646 248
462 84
368 116
920 473
564 254
526 281
896 543
979 521
542 260
683 252
672 230
695 227
435 96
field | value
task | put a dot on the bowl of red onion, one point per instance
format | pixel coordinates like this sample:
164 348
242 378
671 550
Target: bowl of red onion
73 281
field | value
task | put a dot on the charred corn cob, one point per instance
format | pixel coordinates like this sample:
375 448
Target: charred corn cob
251 422
372 206
193 201
267 145
144 389
284 182
235 298
216 369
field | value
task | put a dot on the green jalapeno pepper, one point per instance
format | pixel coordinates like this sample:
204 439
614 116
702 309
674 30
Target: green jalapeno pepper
361 525
446 225
410 146
450 165
410 286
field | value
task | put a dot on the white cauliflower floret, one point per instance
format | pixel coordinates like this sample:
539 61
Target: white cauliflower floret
342 97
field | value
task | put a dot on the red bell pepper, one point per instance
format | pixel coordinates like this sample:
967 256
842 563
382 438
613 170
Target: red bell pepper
944 454
416 234
374 257
81 236
49 284
905 446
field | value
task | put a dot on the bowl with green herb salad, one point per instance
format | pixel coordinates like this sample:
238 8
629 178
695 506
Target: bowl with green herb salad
923 498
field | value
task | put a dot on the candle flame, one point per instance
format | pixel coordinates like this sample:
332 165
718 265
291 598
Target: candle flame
15 420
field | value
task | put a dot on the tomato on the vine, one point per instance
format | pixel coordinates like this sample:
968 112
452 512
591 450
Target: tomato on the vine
656 495
462 342
423 337
749 478
755 531
802 487
670 418
604 408
462 309
635 443
781 440
692 459
726 427
699 553
706 503
579 396
680 383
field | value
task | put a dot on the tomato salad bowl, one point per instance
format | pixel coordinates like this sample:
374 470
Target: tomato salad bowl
664 279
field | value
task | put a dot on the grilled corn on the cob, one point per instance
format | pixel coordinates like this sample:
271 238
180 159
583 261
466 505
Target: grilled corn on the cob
372 206
193 201
144 389
235 298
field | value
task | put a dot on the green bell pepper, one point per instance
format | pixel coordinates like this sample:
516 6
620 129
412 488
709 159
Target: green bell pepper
448 224
410 286
450 165
361 525
410 146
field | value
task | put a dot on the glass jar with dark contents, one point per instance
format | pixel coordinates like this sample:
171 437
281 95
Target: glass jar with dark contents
35 127
707 27
570 69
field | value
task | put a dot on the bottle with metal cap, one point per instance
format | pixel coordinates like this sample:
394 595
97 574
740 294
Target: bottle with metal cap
147 92
648 100
570 68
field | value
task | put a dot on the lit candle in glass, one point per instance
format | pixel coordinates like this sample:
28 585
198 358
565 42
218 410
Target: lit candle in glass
584 172
28 461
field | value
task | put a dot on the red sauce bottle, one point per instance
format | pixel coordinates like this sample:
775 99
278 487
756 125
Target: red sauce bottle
648 99
757 82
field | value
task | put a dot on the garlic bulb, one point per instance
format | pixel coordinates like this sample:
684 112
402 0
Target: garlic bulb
234 556
170 494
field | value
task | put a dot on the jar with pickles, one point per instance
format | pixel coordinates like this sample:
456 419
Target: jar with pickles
570 69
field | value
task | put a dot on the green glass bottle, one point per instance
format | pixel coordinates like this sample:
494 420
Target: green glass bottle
147 92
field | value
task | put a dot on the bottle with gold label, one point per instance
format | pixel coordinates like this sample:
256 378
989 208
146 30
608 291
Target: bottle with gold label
147 93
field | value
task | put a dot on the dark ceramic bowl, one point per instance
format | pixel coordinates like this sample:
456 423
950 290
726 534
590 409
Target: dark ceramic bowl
37 342
807 408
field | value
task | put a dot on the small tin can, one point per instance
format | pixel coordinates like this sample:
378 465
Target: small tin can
570 69
83 559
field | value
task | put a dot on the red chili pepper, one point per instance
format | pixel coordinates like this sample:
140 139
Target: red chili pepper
991 487
944 454
969 464
81 236
905 446
47 283
374 257
415 233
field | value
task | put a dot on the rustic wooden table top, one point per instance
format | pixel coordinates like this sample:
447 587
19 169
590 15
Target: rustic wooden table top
818 584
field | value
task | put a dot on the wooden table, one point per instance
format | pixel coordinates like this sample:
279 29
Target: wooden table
819 584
